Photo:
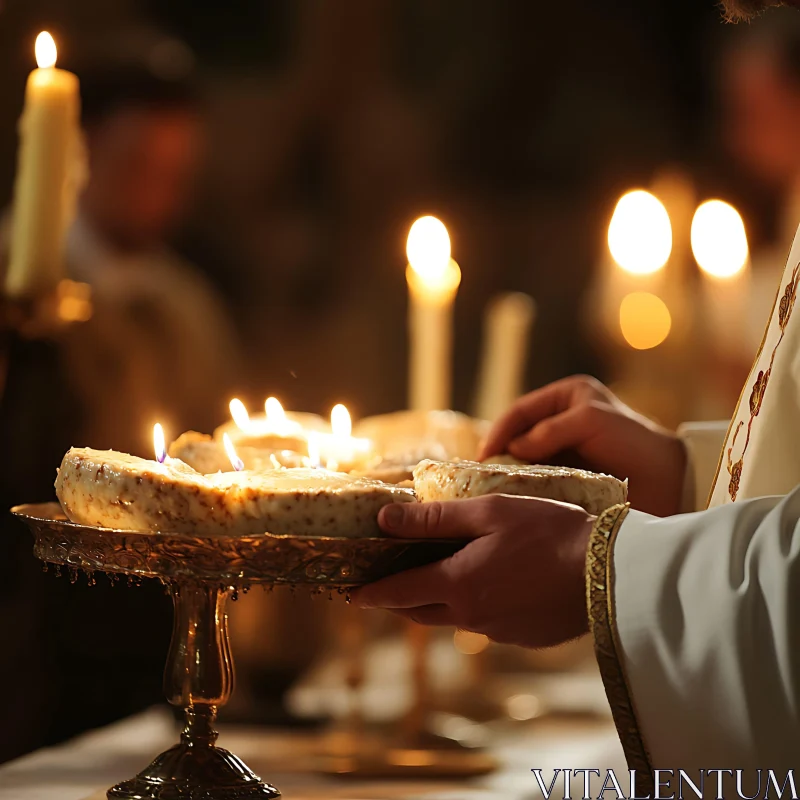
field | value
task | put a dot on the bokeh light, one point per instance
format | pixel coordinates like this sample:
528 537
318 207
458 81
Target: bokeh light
644 320
640 233
719 240
428 248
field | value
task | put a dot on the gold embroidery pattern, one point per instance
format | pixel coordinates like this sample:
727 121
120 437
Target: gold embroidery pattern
600 605
785 308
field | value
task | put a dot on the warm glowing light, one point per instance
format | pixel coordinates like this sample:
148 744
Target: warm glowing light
159 443
523 707
719 240
239 414
230 451
274 410
644 319
274 461
341 424
428 249
640 233
470 644
46 52
338 450
314 456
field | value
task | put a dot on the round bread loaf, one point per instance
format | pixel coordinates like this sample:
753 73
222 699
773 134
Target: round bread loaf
116 490
430 434
261 435
446 480
206 455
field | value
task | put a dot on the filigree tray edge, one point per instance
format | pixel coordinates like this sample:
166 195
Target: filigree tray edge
270 559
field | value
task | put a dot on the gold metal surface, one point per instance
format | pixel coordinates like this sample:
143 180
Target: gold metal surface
236 561
202 572
370 755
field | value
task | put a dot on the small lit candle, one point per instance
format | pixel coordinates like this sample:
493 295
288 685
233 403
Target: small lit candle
230 451
338 450
433 280
159 443
272 430
277 421
47 175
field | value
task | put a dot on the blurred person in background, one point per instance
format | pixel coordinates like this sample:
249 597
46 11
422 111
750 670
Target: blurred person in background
758 129
159 345
760 119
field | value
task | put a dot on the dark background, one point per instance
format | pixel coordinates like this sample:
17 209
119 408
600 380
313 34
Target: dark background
334 124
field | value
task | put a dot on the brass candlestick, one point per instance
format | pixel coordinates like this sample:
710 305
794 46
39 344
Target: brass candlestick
201 573
412 749
43 317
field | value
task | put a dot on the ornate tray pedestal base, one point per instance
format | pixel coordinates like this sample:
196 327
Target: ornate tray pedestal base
198 678
189 772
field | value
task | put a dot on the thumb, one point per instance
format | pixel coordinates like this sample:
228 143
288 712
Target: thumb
454 519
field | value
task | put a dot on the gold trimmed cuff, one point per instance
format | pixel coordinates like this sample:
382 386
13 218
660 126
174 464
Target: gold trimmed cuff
602 624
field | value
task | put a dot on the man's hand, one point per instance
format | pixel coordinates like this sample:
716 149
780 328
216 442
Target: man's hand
581 415
519 581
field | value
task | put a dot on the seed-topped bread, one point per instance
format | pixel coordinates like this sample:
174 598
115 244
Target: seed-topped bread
116 490
447 480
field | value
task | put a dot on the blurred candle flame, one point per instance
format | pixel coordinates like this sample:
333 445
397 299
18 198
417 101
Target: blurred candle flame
159 443
230 450
719 240
274 411
428 250
239 414
314 458
341 423
46 52
640 233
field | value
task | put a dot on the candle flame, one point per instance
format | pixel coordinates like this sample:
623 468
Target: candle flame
230 450
239 414
275 463
314 459
428 249
719 240
341 423
640 233
46 52
274 410
159 443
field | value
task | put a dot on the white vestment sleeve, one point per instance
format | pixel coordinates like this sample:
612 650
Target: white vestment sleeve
706 615
703 442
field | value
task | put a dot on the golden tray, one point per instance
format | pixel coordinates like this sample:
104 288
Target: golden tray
201 573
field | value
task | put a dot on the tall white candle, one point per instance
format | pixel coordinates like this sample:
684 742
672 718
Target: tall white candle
433 279
719 244
633 272
47 175
507 326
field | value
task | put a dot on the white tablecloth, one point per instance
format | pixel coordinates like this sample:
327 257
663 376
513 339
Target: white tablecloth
84 768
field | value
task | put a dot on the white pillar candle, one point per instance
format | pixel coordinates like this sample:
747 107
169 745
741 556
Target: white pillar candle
47 175
433 279
719 244
507 327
